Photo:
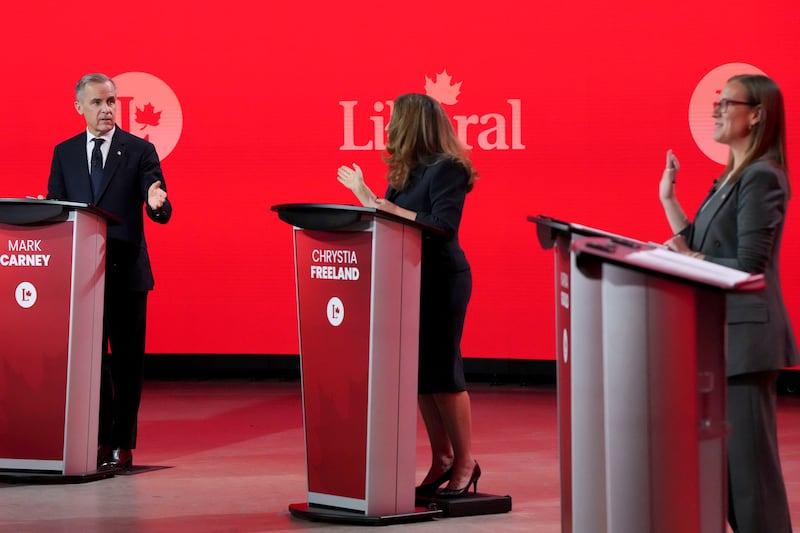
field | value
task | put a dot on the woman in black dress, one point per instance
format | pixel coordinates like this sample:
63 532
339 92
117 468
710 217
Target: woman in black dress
429 176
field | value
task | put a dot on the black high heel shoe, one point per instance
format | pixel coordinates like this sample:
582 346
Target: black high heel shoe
429 489
458 493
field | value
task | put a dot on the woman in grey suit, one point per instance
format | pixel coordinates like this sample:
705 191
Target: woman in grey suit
740 225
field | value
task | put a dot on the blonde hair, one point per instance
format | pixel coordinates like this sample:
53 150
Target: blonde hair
420 133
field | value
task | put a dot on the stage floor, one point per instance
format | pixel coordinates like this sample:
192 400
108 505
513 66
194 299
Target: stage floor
217 456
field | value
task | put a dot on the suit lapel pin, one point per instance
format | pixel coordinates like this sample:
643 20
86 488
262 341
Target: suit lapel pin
119 152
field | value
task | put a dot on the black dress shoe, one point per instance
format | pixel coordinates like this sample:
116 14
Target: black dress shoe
458 493
120 459
429 489
103 454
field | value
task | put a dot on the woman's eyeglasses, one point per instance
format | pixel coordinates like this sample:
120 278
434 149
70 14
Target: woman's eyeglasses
722 105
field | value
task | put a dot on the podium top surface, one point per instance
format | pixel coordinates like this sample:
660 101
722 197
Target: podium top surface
340 217
21 211
659 260
548 228
563 225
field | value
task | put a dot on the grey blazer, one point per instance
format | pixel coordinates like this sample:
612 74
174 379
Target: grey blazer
740 226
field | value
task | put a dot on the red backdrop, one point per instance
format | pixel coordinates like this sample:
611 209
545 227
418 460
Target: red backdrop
569 108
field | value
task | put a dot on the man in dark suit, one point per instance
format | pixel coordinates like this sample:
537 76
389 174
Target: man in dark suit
121 174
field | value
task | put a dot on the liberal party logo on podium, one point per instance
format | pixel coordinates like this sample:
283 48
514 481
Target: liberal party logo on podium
335 311
25 295
701 106
147 107
490 131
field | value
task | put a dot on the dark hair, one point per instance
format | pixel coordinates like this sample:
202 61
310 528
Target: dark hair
420 132
91 78
768 136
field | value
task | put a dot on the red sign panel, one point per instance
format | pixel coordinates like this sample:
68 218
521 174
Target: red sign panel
334 287
35 286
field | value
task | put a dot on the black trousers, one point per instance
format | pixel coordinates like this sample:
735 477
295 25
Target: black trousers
757 495
124 321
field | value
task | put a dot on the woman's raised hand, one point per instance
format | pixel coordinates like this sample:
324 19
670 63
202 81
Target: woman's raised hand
666 187
352 178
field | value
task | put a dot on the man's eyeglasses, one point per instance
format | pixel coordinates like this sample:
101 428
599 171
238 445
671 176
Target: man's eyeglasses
722 105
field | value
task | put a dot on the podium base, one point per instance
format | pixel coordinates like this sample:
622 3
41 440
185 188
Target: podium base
343 516
47 478
468 505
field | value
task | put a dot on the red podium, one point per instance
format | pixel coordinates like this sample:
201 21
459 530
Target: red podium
358 276
641 382
52 272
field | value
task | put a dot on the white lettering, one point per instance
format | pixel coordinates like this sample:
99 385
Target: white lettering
462 121
25 260
29 245
380 128
349 128
334 256
332 272
499 131
516 124
493 137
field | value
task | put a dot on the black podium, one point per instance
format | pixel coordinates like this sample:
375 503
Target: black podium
641 382
357 273
52 273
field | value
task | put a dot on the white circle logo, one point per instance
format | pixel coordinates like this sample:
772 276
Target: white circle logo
701 105
147 107
25 294
565 345
335 311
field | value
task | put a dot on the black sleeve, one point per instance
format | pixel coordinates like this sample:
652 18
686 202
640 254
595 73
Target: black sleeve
447 191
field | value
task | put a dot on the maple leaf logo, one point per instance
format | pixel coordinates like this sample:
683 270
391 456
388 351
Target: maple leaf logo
441 89
147 116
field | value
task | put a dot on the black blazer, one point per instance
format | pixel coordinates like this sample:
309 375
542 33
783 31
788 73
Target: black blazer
741 226
436 193
131 167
